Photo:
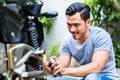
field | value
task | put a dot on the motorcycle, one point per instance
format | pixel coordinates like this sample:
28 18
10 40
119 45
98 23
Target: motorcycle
22 44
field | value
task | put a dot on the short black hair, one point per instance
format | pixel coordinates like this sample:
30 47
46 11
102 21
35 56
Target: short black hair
79 7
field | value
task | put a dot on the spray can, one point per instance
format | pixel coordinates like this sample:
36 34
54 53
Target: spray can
51 61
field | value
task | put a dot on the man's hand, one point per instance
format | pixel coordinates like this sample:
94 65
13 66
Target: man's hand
56 67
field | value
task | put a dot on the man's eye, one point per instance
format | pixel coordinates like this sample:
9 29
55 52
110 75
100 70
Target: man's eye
69 25
76 25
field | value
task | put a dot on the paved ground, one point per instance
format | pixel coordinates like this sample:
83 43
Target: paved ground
118 70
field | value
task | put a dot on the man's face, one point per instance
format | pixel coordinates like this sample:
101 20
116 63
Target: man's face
78 27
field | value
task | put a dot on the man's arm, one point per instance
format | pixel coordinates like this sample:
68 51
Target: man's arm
97 64
64 60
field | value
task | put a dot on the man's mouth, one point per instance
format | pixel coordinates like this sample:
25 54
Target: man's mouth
74 33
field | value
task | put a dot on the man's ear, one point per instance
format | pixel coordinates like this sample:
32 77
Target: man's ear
88 22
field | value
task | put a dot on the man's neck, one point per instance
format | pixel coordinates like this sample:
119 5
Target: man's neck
84 37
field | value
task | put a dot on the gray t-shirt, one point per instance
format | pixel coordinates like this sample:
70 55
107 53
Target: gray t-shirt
98 39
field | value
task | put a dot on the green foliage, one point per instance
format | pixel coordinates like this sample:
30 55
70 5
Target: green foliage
53 50
117 53
47 23
105 15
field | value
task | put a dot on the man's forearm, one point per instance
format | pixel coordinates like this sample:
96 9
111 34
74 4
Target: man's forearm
81 71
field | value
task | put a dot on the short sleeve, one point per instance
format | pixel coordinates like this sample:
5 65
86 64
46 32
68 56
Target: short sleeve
102 41
64 47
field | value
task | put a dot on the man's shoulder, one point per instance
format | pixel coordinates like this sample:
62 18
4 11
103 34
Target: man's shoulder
98 31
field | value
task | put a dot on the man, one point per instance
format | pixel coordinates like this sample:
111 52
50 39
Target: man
90 46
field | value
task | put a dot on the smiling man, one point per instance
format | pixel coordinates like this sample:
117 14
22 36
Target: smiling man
90 46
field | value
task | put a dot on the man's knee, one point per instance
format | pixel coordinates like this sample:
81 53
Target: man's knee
91 77
96 76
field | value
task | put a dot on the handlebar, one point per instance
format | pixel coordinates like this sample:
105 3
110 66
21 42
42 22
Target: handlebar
50 14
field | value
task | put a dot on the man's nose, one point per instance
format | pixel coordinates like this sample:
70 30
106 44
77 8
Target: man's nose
72 28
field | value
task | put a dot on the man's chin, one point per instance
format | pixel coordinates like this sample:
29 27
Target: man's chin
75 38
